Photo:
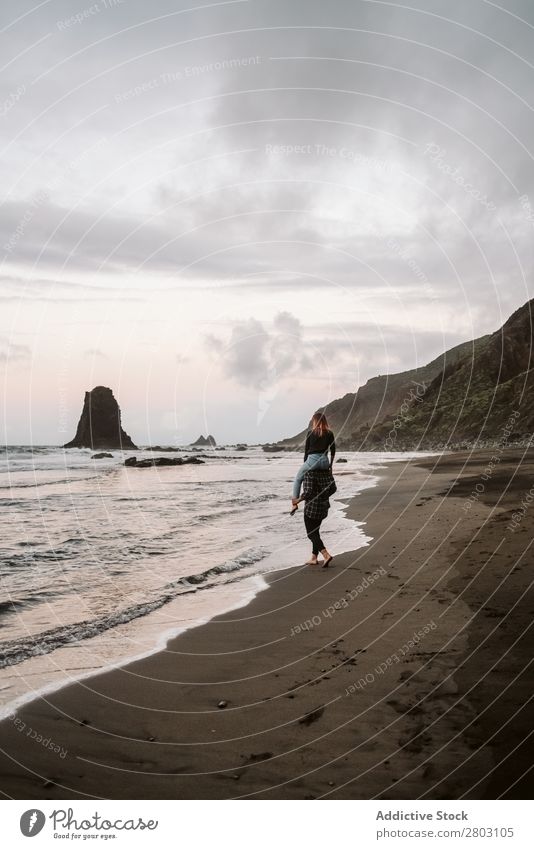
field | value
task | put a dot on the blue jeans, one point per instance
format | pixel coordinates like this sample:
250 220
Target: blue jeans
313 461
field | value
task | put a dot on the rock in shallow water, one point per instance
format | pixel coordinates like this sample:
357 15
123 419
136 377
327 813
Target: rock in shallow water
162 461
100 423
205 440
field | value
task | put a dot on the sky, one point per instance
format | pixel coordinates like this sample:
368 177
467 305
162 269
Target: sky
232 213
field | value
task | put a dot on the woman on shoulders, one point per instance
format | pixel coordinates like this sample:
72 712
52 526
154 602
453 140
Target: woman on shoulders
319 441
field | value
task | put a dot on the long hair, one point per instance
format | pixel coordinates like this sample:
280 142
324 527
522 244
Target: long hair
319 423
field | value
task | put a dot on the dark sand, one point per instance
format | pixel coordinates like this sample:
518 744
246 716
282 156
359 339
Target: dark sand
346 708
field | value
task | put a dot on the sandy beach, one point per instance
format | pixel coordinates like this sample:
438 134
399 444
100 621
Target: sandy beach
404 671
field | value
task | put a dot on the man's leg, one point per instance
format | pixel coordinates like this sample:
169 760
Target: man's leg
312 531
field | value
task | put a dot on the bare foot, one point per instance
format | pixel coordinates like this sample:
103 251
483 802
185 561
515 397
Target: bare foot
327 557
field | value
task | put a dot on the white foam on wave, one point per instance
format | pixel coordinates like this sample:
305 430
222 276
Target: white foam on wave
13 652
249 589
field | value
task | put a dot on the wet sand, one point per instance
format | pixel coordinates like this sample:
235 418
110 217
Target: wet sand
404 671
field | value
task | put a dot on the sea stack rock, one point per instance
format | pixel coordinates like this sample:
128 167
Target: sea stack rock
205 441
100 423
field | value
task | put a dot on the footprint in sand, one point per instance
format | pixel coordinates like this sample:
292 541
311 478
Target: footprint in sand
260 756
313 716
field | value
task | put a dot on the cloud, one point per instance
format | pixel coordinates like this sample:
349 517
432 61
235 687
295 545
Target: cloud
258 355
12 352
14 289
367 170
95 352
245 356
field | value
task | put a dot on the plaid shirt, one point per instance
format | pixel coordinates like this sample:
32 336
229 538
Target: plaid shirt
315 487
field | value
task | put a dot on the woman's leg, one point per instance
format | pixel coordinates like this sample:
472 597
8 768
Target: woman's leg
318 461
313 461
324 462
299 477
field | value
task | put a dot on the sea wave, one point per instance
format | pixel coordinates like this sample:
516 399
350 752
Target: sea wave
248 558
54 482
16 651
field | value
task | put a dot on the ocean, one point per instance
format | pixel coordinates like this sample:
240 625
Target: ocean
102 563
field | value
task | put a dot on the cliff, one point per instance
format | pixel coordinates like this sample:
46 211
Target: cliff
480 392
485 397
378 399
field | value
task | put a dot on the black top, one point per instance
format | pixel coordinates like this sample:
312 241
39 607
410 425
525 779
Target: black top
319 444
